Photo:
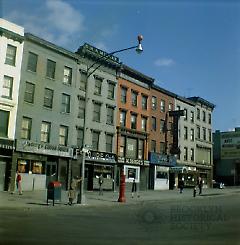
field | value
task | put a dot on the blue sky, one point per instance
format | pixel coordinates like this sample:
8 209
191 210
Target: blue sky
191 48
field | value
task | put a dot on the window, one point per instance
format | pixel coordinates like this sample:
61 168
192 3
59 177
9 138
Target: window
65 103
98 86
96 112
198 132
204 134
154 123
185 157
144 102
32 62
134 98
11 55
209 135
7 87
185 115
45 132
29 92
144 124
63 135
153 145
48 98
192 117
83 80
204 116
162 105
4 119
154 103
185 133
81 107
133 121
67 75
26 128
95 140
80 135
111 87
51 66
209 118
123 95
109 142
198 113
141 149
192 154
131 148
122 146
162 126
110 115
162 147
170 107
192 134
123 118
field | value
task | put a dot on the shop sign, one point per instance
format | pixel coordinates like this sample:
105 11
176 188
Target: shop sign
7 144
160 159
43 148
132 161
100 156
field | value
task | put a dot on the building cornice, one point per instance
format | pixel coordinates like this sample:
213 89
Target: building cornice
11 35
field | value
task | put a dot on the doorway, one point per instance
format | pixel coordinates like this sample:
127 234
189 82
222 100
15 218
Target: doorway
2 175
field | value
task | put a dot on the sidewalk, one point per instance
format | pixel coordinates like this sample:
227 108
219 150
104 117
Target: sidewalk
37 199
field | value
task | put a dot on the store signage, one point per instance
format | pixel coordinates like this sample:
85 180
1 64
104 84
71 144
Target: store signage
132 161
7 144
43 148
160 159
103 156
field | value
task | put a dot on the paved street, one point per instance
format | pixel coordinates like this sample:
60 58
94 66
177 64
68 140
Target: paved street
213 218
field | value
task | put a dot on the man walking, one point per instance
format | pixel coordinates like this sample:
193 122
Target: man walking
200 184
100 181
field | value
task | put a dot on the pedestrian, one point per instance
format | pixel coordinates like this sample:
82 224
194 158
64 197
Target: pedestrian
194 191
19 183
181 185
134 188
72 190
200 185
100 182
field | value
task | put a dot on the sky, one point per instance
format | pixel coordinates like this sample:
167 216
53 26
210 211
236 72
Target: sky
191 48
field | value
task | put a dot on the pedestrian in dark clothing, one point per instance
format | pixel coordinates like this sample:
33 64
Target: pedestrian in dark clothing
134 188
194 191
181 185
100 181
200 185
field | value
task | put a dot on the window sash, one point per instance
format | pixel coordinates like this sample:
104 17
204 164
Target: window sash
45 132
154 103
26 128
162 105
144 124
7 87
95 140
123 118
96 112
123 95
67 76
133 121
63 134
51 66
48 98
32 62
109 143
144 102
65 103
111 88
134 98
11 55
80 135
98 86
110 115
29 92
4 121
81 108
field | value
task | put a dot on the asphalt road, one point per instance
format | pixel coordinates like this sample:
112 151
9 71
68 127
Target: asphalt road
206 220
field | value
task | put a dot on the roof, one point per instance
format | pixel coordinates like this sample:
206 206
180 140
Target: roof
202 101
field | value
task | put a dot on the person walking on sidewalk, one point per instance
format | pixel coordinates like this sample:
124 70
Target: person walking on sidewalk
19 183
134 188
200 185
72 190
100 182
181 185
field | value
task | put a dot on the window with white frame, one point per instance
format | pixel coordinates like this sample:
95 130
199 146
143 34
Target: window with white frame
26 127
162 105
32 62
123 95
144 102
83 80
192 154
185 114
123 118
134 98
48 98
96 112
7 87
111 88
63 135
198 113
67 75
192 134
98 86
154 103
144 123
133 121
51 67
45 132
65 103
11 55
110 115
192 117
209 135
29 92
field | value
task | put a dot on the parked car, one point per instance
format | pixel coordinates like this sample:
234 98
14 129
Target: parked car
219 185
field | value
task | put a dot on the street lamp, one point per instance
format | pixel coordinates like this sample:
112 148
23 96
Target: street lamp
81 199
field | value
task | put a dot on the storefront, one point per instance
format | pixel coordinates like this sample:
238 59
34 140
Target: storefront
97 163
135 169
40 163
205 173
159 173
6 152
